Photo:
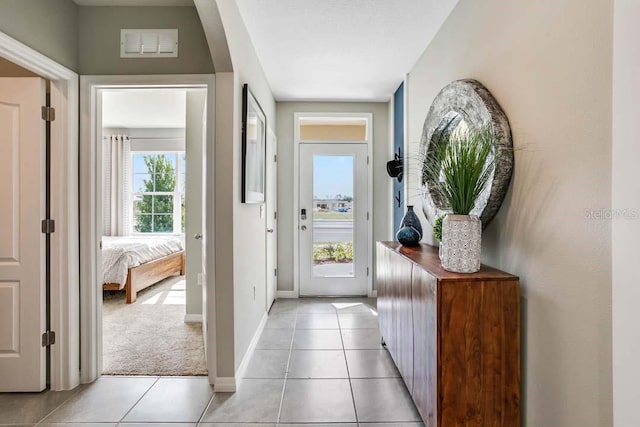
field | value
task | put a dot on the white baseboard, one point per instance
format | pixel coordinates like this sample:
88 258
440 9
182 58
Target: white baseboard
252 345
287 294
229 384
193 318
224 385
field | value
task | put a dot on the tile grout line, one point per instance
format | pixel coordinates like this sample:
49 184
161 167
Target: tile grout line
204 411
286 372
344 352
138 401
201 419
71 395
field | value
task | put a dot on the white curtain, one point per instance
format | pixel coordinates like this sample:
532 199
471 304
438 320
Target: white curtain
116 185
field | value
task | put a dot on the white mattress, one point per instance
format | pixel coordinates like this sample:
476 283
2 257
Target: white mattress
121 253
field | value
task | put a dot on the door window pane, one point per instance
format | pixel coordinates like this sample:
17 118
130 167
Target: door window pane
333 205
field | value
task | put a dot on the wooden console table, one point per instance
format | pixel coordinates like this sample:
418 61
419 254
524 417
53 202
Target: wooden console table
455 338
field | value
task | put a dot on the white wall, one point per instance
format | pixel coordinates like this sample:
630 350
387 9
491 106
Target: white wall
626 225
244 270
548 64
144 108
381 191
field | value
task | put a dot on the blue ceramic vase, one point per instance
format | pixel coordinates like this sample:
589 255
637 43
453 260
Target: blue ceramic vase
408 236
410 219
410 232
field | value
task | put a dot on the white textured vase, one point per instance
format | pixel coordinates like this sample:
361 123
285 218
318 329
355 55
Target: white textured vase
461 243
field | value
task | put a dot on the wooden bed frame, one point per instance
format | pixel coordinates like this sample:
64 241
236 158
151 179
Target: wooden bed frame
149 273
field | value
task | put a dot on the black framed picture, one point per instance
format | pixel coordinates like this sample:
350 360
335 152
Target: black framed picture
254 148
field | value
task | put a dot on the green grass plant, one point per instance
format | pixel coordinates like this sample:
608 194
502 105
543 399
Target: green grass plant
460 165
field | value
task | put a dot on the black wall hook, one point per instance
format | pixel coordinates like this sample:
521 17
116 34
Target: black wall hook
395 167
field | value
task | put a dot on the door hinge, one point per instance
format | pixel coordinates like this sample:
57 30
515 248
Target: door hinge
48 114
48 226
367 159
367 216
275 158
275 271
275 215
367 271
48 338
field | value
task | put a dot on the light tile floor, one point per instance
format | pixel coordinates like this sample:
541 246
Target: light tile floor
318 362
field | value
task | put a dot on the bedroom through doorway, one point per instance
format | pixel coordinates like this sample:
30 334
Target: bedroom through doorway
152 157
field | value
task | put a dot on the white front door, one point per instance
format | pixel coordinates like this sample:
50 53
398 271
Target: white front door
22 244
333 219
272 218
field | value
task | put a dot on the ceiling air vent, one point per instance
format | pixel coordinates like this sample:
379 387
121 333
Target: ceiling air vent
149 43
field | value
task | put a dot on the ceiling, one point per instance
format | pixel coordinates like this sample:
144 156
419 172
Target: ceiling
144 108
134 2
340 50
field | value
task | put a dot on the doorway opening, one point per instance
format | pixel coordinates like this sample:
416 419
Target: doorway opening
198 231
151 147
333 208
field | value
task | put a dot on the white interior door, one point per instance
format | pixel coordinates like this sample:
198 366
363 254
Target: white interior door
272 217
195 137
333 219
22 244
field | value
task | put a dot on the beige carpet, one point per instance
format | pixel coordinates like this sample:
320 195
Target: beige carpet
149 337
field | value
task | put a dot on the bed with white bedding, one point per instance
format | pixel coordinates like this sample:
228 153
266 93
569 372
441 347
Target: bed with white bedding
136 262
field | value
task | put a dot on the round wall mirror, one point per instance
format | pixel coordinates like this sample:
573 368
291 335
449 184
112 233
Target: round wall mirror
460 105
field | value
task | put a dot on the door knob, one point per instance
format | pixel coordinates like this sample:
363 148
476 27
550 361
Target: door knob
269 230
303 228
198 236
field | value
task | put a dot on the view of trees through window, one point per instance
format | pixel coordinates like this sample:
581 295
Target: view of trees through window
158 197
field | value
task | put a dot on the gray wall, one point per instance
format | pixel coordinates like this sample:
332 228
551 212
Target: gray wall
48 26
195 139
240 230
549 65
99 45
381 189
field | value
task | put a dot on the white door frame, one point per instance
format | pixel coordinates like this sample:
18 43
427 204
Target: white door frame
91 224
296 194
65 356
